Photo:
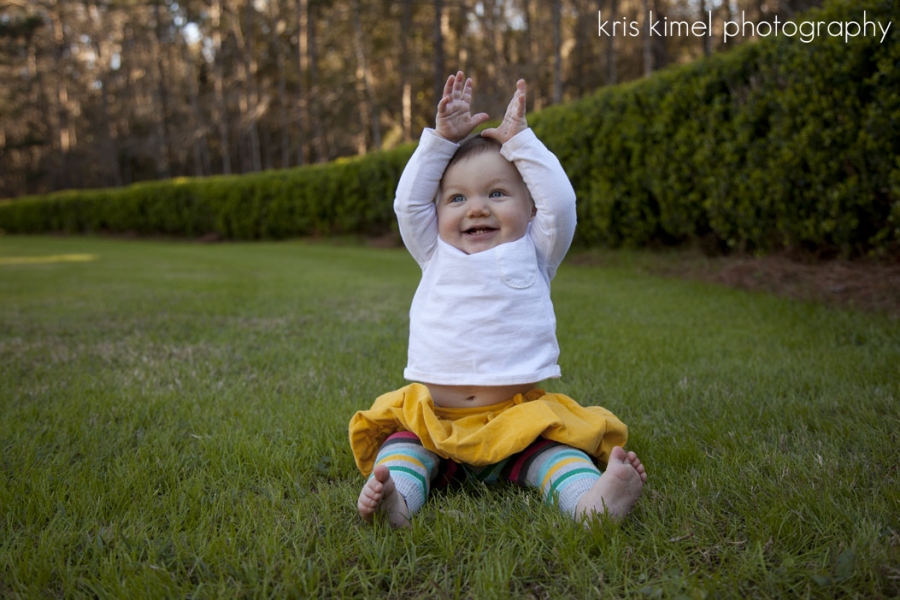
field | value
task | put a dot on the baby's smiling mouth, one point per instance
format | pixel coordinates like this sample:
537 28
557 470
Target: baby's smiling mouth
479 230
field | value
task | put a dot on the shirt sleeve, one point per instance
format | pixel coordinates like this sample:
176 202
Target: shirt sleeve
553 227
416 191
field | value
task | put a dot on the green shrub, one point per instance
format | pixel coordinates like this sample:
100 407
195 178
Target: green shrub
347 196
777 144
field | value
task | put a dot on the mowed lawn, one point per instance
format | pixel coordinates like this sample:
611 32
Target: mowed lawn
173 424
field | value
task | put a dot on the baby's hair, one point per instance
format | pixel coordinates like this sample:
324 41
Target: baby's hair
473 146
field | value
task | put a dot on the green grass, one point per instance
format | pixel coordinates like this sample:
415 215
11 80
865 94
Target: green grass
173 423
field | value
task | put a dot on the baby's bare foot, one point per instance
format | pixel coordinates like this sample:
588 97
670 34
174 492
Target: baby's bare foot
381 495
617 490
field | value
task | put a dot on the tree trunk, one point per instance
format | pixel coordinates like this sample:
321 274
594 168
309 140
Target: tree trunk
318 130
365 94
726 6
316 126
164 158
221 106
705 40
199 127
257 109
611 58
110 162
500 82
301 10
461 23
247 105
405 83
440 74
557 51
278 27
533 52
64 134
647 41
132 100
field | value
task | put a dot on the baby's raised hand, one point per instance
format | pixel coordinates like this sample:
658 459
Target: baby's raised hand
454 119
514 121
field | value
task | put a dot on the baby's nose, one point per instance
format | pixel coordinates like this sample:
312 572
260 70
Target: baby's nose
479 207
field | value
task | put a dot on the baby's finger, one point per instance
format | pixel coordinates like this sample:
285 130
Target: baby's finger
458 84
448 87
519 98
479 119
520 107
442 105
467 91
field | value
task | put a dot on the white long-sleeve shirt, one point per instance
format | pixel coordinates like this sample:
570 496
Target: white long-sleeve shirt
485 318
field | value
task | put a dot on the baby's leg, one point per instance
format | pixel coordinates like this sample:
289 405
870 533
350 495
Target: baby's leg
568 478
562 473
400 481
617 490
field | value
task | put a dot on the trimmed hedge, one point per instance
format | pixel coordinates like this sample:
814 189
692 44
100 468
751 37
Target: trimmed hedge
777 144
773 145
343 197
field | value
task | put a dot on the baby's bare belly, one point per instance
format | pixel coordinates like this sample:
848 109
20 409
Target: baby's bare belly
472 396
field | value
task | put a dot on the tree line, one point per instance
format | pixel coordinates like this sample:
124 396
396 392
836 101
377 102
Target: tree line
105 93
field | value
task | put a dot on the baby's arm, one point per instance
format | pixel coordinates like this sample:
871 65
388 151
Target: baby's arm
414 204
554 224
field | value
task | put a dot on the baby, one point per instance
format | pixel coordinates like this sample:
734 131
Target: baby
489 219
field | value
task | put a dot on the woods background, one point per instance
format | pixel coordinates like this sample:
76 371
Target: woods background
107 93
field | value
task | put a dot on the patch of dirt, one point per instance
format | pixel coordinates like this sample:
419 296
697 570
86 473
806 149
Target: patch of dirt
860 285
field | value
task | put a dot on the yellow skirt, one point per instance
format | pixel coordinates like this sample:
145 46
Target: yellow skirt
484 435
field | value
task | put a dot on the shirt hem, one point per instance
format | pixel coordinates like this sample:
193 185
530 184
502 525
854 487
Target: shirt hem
469 379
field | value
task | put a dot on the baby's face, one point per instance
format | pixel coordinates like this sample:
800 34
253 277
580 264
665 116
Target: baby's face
483 203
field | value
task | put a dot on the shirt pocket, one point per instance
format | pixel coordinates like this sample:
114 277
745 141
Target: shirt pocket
517 264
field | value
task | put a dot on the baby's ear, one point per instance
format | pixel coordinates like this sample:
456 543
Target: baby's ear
533 210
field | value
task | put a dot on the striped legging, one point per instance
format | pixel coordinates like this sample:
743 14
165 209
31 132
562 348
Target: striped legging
563 474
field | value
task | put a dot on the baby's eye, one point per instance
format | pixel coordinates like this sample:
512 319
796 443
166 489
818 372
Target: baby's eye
457 198
495 194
